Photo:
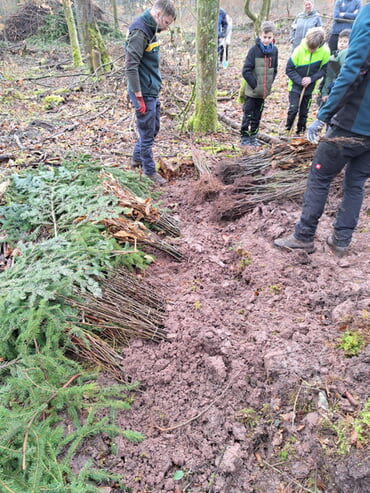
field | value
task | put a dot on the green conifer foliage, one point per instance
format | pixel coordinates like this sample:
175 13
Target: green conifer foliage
52 217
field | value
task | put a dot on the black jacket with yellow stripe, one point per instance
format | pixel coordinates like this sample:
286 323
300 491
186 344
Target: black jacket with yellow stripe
142 56
303 63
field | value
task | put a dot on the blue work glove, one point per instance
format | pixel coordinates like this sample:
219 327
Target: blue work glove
313 131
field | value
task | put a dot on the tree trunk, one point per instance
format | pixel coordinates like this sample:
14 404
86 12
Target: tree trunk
263 14
94 47
204 118
115 15
72 31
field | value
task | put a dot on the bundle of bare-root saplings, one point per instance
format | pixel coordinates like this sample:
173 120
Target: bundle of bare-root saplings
258 178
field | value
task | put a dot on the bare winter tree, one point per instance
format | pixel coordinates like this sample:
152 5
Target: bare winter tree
262 15
115 14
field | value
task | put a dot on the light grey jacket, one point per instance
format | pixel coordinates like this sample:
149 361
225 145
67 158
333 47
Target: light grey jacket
302 23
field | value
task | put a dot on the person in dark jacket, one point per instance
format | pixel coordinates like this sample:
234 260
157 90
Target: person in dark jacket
222 24
303 22
346 145
224 43
345 12
144 80
305 67
336 61
259 72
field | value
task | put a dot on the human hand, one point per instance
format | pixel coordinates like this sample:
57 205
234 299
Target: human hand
306 81
313 130
142 108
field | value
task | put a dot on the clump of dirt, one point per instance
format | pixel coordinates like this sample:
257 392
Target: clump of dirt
207 188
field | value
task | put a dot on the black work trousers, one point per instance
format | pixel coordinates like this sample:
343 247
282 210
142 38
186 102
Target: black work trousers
252 112
301 109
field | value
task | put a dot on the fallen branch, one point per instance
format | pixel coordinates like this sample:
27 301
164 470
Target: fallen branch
269 139
6 157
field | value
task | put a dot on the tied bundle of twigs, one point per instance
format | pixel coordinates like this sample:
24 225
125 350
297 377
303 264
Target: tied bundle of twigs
200 160
248 194
139 208
254 179
135 232
93 348
128 308
296 153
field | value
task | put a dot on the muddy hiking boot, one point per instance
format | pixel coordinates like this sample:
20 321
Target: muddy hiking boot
291 243
339 251
157 179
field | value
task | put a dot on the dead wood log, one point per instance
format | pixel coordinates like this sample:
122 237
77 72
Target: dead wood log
269 139
6 157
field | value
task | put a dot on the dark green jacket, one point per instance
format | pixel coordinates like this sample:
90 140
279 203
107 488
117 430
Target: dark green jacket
332 72
142 56
259 70
348 105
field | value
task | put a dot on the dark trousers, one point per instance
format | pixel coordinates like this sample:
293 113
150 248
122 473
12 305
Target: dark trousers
333 42
252 112
147 127
301 109
330 158
224 53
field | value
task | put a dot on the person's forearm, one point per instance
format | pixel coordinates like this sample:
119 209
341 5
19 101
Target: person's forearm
134 53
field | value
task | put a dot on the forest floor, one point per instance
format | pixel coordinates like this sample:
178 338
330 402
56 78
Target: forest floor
252 391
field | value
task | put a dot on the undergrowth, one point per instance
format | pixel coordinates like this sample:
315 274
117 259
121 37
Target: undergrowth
49 403
55 29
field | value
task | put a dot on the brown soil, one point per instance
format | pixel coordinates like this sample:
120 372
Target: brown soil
251 392
243 395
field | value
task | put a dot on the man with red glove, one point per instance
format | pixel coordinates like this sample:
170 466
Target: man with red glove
144 80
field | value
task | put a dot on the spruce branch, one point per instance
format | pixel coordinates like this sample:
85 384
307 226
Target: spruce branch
30 423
